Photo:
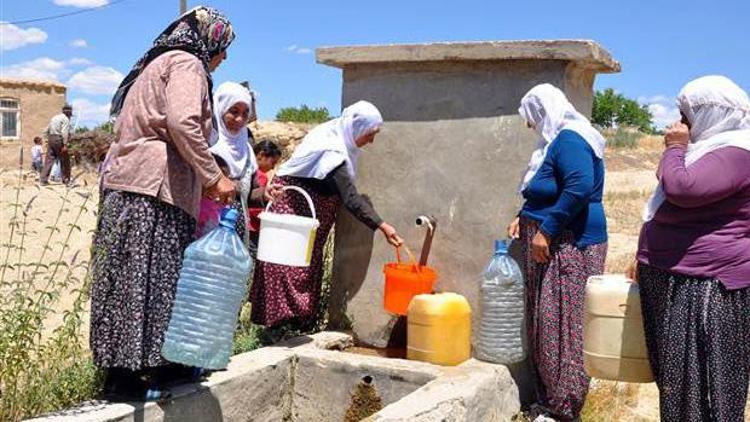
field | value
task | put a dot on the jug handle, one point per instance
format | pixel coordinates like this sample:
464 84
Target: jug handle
301 191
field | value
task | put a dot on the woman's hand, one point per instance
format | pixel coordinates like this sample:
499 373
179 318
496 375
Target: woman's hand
272 191
632 271
678 134
540 248
391 235
513 229
223 191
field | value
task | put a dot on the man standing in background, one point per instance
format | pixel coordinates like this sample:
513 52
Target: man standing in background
58 136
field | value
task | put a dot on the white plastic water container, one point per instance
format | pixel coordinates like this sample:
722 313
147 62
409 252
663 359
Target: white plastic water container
287 239
211 288
500 337
614 344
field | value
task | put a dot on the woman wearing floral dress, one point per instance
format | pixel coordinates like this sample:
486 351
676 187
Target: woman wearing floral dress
694 257
152 181
563 232
324 165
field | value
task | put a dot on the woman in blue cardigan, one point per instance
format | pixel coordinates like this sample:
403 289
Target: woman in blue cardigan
563 232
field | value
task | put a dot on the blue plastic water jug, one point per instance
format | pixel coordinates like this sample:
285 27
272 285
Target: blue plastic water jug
210 291
500 338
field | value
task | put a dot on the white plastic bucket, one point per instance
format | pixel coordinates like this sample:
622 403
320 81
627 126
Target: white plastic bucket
287 239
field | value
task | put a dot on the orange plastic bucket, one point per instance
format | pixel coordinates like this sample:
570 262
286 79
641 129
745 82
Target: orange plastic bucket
403 282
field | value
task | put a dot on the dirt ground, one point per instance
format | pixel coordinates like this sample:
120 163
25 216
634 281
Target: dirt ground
44 206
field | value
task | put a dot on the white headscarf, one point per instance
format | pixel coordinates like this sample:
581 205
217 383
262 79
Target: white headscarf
332 143
548 110
719 114
233 148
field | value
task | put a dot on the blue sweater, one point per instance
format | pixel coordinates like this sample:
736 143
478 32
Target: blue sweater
566 192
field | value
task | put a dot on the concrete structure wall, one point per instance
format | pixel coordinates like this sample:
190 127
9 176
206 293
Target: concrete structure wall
453 146
39 101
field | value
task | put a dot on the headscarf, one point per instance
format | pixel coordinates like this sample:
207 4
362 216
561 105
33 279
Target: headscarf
329 145
719 114
203 32
548 110
233 148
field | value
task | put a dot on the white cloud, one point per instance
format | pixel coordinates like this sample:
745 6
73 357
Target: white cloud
79 43
662 108
81 3
299 50
12 37
89 113
78 61
96 80
41 68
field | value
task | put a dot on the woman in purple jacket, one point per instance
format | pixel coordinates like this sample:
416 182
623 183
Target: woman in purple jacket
694 257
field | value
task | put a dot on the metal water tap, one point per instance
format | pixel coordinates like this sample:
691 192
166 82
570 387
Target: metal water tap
431 223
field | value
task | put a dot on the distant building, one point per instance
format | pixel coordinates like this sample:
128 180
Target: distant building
26 106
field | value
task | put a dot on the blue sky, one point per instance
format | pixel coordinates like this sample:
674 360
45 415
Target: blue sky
661 44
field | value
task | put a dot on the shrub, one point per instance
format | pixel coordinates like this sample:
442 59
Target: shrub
42 371
90 147
624 138
303 114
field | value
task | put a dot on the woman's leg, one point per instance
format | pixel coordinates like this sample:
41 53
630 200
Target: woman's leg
727 338
280 293
556 294
137 256
698 342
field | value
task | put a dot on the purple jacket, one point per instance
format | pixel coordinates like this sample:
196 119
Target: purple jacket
703 229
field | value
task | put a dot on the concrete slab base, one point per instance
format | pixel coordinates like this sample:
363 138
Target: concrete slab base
303 380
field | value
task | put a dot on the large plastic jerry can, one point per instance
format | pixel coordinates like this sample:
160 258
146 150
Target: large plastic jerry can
614 346
439 329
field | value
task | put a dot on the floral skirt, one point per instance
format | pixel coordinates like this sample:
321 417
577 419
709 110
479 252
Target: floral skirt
698 339
280 293
555 294
137 256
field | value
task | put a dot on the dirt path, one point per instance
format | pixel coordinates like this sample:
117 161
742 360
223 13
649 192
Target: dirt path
44 206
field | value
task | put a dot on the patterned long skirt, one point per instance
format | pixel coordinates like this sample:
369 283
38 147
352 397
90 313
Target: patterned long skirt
554 318
280 293
137 256
698 339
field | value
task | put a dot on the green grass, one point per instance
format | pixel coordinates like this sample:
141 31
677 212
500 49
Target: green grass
43 368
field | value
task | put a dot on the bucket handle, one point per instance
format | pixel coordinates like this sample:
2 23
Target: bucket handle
301 191
414 262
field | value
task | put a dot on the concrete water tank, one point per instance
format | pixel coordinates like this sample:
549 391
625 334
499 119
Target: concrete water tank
452 146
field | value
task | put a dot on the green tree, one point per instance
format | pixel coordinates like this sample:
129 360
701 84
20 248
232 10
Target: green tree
106 127
613 109
303 114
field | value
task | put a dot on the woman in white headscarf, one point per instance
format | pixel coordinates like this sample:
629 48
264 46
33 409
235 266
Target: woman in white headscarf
324 165
694 257
234 109
563 233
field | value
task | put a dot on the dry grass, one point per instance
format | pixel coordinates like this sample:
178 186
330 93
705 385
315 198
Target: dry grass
621 402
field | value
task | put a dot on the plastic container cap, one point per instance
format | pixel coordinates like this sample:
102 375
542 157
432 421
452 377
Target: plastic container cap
501 246
229 217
